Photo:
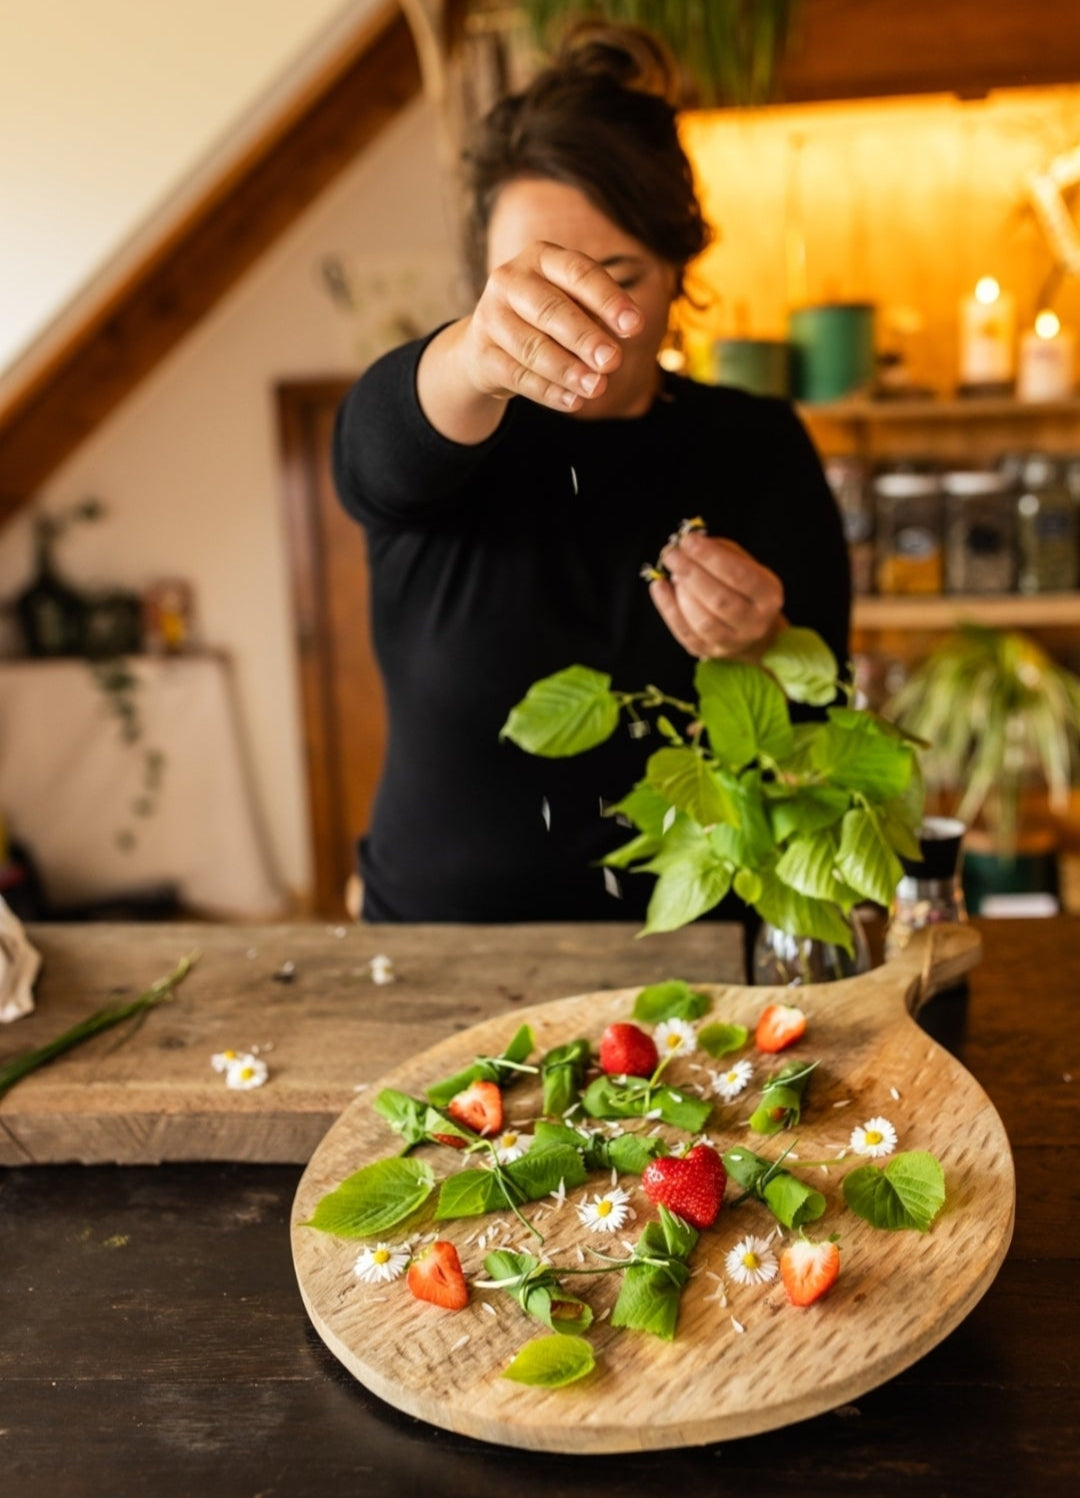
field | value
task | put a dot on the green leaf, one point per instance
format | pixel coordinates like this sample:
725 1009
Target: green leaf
856 752
789 1199
686 889
501 1069
782 1098
808 864
865 859
747 885
542 1171
804 666
633 1097
653 1280
416 1120
562 1071
538 1291
374 1199
637 850
627 1153
671 1000
721 1040
551 1362
749 843
644 807
690 783
799 915
805 810
564 714
470 1193
744 711
908 1193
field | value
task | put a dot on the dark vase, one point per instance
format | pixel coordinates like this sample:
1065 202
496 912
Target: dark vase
50 613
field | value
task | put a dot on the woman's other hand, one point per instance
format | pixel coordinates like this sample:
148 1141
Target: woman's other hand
719 602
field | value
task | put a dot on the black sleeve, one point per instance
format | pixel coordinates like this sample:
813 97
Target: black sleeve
389 462
812 551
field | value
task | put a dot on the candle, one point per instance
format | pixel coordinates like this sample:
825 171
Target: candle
987 335
1047 356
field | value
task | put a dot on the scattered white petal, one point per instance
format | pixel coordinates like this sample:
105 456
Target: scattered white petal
737 1325
614 1176
611 884
580 1255
461 1342
654 1113
559 1194
751 1262
384 1262
573 478
876 1137
675 1037
728 1084
485 1305
604 1314
639 728
338 931
382 969
545 812
894 1093
251 953
843 1103
606 1213
511 1145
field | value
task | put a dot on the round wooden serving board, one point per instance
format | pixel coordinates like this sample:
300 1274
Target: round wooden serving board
899 1293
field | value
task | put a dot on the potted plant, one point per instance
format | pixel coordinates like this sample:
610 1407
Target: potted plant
1001 717
803 821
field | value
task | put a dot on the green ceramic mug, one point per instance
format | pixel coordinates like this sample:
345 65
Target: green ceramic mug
833 350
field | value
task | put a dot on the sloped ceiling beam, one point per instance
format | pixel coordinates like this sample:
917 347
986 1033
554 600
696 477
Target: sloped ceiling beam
202 260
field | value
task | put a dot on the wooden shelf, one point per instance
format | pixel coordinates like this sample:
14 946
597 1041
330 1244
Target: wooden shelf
887 412
925 611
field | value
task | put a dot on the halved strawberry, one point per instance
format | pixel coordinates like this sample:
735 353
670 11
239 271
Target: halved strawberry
435 1275
455 1141
691 1186
808 1270
626 1051
780 1025
479 1108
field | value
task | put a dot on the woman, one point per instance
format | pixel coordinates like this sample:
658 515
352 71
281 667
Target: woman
513 472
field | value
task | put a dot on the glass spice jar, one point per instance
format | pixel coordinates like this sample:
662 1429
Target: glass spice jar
909 554
979 531
930 893
1046 525
849 482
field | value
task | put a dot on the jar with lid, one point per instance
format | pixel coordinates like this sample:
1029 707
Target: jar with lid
1046 528
909 555
979 531
849 482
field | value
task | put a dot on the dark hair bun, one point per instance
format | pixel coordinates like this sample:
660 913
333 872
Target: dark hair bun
628 55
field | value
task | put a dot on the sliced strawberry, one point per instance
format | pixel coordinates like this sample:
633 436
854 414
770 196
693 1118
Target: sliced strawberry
435 1275
455 1141
691 1186
626 1051
780 1025
479 1108
808 1270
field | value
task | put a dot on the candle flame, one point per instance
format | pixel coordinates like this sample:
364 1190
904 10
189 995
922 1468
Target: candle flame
1047 324
987 291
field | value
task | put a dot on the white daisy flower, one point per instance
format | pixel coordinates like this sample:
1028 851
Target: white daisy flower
244 1072
728 1084
875 1137
384 1262
382 969
511 1146
607 1213
222 1060
675 1037
751 1262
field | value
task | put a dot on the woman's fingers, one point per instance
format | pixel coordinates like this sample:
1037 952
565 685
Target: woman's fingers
543 327
720 596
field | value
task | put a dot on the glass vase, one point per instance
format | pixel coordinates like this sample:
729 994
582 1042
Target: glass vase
785 961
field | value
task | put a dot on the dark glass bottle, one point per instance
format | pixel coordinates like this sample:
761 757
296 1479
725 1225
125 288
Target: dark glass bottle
50 613
1046 528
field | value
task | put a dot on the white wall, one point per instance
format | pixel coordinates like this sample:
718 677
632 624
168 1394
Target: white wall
188 465
110 110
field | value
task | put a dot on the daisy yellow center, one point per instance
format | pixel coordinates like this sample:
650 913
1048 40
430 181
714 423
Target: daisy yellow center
750 1259
603 1209
874 1136
674 1042
509 1140
381 1256
733 1076
246 1073
229 1055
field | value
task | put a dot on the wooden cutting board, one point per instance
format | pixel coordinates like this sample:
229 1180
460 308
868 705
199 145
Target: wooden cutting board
735 1368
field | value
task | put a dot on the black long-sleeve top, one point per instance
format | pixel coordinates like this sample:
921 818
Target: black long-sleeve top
496 564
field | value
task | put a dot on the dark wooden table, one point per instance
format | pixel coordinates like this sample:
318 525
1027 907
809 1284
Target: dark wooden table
152 1339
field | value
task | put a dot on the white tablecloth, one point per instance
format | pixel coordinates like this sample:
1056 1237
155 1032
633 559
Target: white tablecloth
68 782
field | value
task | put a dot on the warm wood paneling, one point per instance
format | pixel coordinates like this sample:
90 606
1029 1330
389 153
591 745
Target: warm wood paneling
202 260
847 49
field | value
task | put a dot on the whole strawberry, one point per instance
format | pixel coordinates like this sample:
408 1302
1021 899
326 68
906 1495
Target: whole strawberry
691 1186
626 1051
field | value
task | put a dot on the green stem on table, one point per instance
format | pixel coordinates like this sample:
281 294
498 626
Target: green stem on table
102 1019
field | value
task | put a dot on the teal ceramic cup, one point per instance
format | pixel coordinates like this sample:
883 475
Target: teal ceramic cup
758 364
833 350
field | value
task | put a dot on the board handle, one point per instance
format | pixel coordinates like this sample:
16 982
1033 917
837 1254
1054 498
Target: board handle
936 957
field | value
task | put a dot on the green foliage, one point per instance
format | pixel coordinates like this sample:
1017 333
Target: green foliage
637 1097
803 820
537 1290
500 1069
782 1098
674 999
374 1199
654 1278
550 1362
908 1193
790 1200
